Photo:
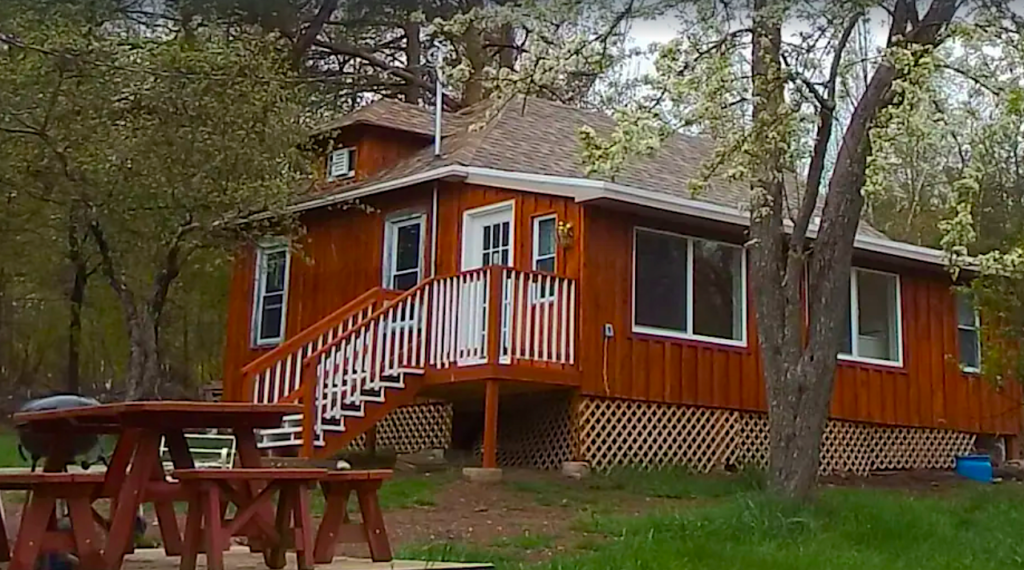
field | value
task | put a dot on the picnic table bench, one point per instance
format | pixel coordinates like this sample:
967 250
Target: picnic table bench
137 475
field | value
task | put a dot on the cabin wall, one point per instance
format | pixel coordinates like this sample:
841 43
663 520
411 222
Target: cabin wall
929 391
337 259
340 255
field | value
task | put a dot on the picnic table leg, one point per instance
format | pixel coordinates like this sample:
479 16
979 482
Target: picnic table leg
34 523
165 516
336 497
5 543
119 462
373 521
216 542
274 554
248 456
193 533
119 539
303 525
83 528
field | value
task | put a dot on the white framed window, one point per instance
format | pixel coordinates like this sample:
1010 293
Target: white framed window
545 257
968 333
271 302
689 288
341 163
403 251
874 328
544 237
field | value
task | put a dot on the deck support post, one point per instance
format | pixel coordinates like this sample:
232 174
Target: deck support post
309 405
490 451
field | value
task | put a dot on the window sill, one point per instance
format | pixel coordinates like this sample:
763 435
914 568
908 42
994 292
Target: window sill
662 334
970 371
887 365
266 344
348 176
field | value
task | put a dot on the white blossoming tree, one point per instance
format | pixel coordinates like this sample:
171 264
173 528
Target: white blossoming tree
770 82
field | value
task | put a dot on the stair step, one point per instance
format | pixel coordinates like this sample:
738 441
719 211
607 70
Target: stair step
292 418
280 431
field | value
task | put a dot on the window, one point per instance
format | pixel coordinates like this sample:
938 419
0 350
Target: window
544 256
403 252
341 163
968 331
689 287
875 334
271 294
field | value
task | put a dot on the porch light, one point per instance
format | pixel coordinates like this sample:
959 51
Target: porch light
566 234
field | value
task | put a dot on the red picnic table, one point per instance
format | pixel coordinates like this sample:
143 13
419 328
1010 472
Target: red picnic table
135 473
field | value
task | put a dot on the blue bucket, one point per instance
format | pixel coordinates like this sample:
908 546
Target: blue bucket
975 467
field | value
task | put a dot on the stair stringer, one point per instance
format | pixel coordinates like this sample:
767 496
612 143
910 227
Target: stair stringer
373 412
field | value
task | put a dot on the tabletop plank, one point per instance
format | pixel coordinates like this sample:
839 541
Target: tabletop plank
158 415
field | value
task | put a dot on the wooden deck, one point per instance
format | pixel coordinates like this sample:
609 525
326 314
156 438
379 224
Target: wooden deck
239 558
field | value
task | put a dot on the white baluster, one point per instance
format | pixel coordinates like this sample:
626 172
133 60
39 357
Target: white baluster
572 322
563 324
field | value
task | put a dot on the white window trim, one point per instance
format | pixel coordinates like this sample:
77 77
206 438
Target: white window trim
642 329
351 163
262 251
977 332
536 241
391 227
855 322
488 209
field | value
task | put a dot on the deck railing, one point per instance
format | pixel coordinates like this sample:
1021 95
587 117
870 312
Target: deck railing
492 315
278 373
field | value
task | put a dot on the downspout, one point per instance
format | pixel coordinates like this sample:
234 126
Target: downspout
433 234
438 108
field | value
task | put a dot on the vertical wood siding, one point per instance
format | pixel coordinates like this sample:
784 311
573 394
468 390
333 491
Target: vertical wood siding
340 255
929 391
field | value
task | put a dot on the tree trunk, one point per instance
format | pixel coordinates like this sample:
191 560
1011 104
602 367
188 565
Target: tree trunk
413 60
800 359
473 91
144 366
76 299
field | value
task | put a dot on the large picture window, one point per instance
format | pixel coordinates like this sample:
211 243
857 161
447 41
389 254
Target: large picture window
688 287
271 294
874 334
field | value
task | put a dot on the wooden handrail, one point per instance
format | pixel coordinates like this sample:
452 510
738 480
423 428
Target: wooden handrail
339 339
313 331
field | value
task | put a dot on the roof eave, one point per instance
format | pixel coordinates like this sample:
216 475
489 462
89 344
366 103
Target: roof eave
587 190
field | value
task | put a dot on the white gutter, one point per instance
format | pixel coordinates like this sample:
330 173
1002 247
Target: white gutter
451 171
586 190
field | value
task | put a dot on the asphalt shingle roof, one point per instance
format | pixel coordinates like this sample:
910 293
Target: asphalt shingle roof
539 136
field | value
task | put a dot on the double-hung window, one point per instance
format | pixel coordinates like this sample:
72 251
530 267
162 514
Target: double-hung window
545 257
968 331
689 287
872 327
271 294
403 251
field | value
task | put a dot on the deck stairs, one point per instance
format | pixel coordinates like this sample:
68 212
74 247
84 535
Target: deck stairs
371 356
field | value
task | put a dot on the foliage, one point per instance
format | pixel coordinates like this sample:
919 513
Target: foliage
155 146
766 81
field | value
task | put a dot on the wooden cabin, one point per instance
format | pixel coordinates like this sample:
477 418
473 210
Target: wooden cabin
494 299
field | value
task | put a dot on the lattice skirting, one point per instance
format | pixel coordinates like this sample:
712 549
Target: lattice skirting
534 431
413 428
624 432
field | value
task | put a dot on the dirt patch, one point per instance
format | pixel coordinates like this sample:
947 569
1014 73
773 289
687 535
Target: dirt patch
918 480
533 514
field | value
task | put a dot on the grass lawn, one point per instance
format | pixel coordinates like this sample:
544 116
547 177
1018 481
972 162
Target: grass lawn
733 524
9 450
